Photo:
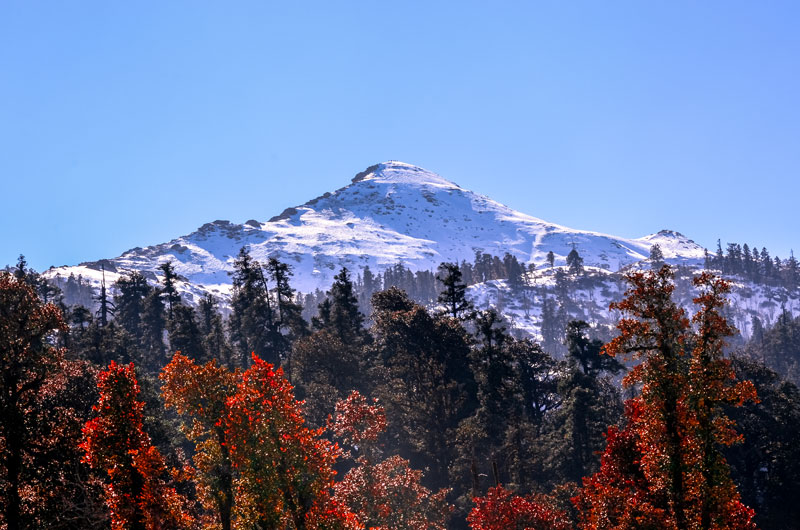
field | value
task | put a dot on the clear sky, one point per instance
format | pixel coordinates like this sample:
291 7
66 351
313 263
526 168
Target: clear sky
125 124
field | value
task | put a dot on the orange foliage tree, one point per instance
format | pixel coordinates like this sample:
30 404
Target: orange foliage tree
258 465
199 393
665 468
137 491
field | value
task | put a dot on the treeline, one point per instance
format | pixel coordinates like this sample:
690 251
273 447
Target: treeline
454 423
757 266
422 285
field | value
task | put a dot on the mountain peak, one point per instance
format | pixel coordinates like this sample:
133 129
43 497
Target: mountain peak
396 172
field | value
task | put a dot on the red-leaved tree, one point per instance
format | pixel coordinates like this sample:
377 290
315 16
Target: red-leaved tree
502 510
138 493
42 406
386 494
285 470
257 464
665 468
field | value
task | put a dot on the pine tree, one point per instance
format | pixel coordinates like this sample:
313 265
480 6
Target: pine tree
185 335
129 301
765 465
589 404
169 290
289 324
791 273
656 257
551 259
552 326
574 262
342 314
106 307
212 329
453 296
152 328
251 320
587 353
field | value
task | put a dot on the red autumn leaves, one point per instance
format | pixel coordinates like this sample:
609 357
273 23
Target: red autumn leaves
256 464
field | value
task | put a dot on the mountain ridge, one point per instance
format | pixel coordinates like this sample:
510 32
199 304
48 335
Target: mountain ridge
391 212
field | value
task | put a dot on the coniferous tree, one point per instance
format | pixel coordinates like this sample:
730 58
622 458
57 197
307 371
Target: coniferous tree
590 403
153 325
212 330
791 273
550 328
587 353
574 262
132 290
779 347
251 317
185 335
339 313
453 296
169 290
345 318
106 307
656 257
289 323
765 464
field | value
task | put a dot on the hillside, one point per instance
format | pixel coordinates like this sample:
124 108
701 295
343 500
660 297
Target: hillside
390 213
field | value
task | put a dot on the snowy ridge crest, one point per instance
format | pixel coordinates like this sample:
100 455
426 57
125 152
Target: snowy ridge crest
392 212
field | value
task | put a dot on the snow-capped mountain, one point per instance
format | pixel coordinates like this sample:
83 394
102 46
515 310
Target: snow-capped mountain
391 212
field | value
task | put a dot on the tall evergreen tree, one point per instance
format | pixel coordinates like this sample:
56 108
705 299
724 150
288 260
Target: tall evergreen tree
153 325
575 262
453 296
344 318
132 289
587 353
212 329
551 259
656 257
169 289
106 307
251 320
289 323
590 403
185 335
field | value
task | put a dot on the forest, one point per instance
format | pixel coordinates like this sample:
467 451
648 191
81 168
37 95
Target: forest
365 408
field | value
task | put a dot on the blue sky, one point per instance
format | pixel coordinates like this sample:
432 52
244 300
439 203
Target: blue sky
124 124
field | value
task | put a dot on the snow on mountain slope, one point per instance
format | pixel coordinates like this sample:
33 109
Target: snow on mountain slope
591 293
391 212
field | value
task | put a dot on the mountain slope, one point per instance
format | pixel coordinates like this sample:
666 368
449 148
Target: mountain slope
391 212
